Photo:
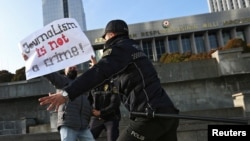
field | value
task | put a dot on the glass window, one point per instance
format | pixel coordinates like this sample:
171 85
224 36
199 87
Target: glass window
160 47
240 34
200 43
173 44
186 43
65 9
232 5
244 4
213 40
226 36
147 48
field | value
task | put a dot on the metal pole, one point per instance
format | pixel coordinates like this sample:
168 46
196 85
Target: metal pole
239 121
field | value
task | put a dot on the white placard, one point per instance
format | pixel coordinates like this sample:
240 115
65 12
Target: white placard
58 45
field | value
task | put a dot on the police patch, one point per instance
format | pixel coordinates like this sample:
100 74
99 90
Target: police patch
115 90
107 52
106 87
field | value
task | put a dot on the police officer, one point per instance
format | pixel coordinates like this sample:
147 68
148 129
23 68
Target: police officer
137 82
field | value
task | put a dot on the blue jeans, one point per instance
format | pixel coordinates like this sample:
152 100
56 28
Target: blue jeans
68 134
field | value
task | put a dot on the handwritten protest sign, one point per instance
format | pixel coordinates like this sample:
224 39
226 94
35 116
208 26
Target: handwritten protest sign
58 45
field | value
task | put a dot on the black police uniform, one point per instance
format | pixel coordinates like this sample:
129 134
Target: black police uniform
138 84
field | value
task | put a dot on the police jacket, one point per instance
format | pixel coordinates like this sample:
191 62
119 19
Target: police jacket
134 76
74 114
105 98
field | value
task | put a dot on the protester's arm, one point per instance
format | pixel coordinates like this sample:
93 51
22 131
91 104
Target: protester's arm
108 66
103 70
58 80
80 85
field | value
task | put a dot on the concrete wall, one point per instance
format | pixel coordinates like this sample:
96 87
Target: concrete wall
202 87
206 84
19 105
23 89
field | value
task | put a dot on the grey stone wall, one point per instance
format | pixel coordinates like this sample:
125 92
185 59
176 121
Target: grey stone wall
193 86
9 127
210 93
29 88
19 106
206 84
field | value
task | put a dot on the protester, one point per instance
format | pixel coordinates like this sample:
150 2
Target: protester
73 116
105 102
136 81
106 111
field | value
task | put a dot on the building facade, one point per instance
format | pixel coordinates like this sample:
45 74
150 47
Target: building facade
225 5
57 9
195 34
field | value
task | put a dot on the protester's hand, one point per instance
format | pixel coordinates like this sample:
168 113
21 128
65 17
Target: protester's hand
25 57
96 113
92 62
53 100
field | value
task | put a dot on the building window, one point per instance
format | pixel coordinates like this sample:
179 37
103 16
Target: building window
160 47
200 43
147 48
240 34
244 4
186 43
232 5
226 36
213 41
216 7
173 44
65 9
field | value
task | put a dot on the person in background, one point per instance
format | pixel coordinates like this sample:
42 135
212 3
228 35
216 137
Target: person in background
137 82
105 102
73 116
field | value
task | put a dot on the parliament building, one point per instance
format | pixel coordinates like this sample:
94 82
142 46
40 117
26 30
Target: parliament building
196 34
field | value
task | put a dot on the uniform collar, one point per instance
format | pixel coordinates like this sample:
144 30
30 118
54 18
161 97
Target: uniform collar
114 40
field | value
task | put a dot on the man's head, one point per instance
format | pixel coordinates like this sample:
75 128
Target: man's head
115 27
71 72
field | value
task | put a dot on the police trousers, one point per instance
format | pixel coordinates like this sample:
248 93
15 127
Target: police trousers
150 129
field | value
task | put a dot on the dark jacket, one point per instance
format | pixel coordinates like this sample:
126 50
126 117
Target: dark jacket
107 100
134 75
74 114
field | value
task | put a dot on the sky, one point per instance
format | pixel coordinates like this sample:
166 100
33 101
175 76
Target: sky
20 18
